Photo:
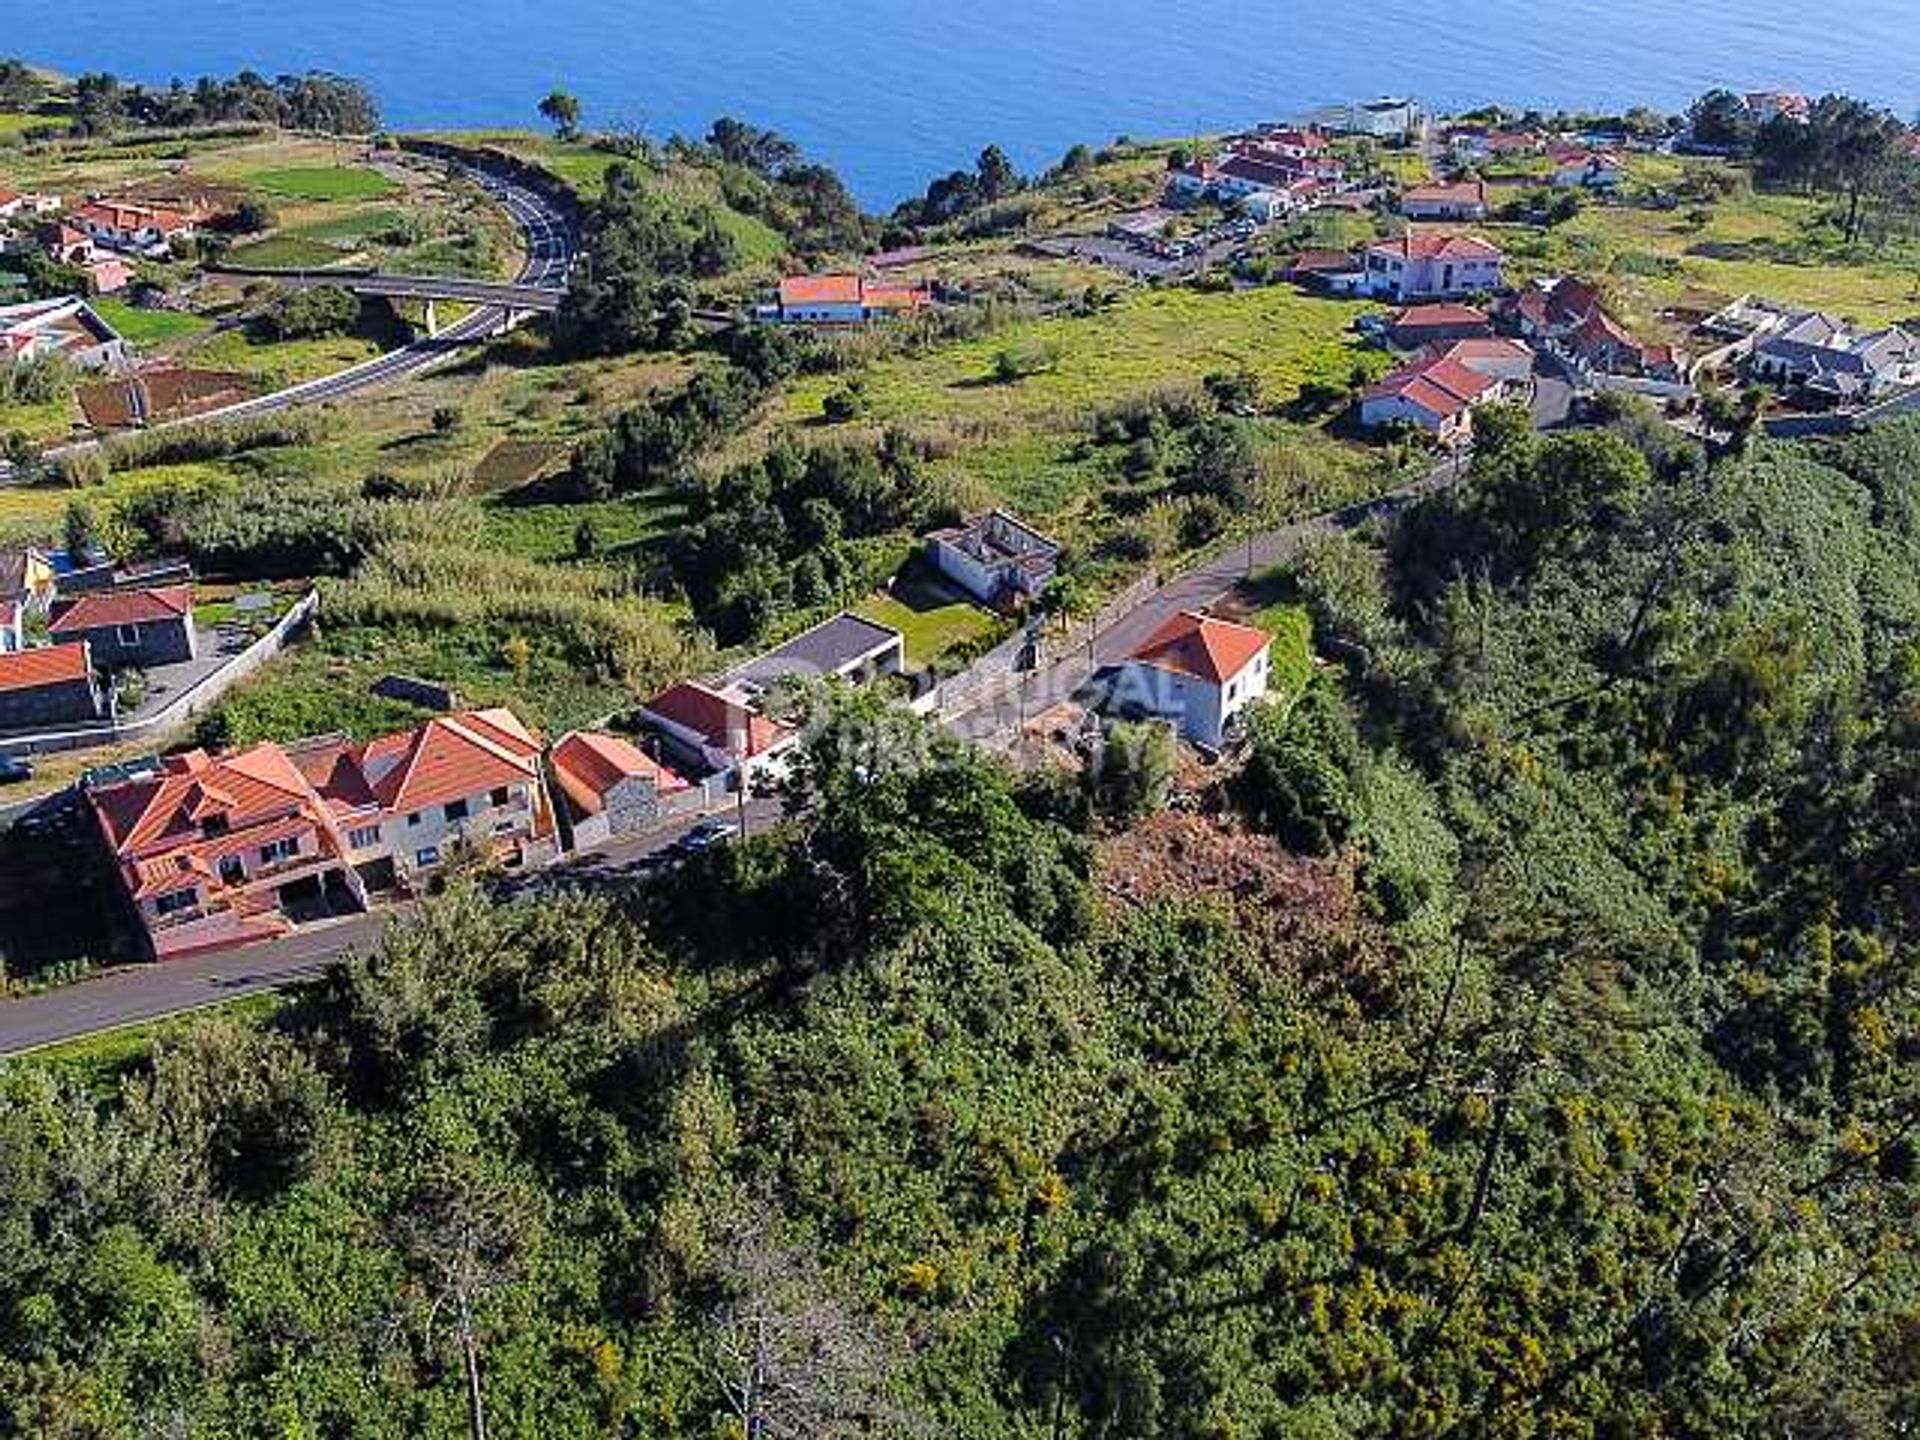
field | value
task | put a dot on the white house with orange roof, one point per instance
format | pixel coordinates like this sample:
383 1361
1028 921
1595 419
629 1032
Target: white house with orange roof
133 227
1196 671
1432 265
609 786
718 731
404 800
845 300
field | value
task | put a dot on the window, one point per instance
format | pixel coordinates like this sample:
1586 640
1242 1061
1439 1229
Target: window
413 819
501 796
427 857
364 838
127 634
455 810
214 826
175 901
280 850
231 870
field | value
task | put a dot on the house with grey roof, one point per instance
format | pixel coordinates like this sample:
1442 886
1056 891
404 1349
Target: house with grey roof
848 647
1826 356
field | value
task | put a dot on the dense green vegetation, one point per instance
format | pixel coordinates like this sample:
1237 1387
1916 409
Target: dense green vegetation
1555 1070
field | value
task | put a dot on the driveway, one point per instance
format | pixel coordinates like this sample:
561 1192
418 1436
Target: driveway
1553 392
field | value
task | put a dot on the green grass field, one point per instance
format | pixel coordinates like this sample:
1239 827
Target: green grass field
1781 246
1148 338
930 617
321 182
147 327
286 252
353 228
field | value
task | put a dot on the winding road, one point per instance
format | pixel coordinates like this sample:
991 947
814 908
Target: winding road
550 246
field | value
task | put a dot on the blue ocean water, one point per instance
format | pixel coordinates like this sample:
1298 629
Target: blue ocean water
892 92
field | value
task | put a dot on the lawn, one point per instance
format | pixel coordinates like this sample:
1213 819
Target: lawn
321 182
286 362
1146 339
286 252
143 328
933 618
354 228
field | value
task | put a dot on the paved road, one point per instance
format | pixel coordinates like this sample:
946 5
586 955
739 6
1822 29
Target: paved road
550 246
135 994
999 716
500 294
549 241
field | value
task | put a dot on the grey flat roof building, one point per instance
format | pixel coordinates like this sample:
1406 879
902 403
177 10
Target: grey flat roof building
846 647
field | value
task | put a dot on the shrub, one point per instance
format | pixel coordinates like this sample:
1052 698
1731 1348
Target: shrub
311 315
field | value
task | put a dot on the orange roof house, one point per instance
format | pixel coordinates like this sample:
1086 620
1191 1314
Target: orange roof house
223 850
611 786
845 299
1197 671
214 849
716 729
1432 265
1435 394
1446 200
49 686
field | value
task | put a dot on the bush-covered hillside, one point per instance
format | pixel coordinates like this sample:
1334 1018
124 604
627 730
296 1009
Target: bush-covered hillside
1550 1066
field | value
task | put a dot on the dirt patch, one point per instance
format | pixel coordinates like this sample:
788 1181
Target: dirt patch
1305 910
151 396
512 464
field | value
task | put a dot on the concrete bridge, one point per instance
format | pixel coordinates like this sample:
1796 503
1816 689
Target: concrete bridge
516 300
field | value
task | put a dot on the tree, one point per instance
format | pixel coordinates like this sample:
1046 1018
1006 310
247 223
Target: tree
562 111
1128 775
1720 118
79 529
996 174
466 1234
766 152
794 1361
311 314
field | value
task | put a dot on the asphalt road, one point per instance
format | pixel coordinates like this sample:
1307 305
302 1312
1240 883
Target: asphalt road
550 247
1065 675
136 994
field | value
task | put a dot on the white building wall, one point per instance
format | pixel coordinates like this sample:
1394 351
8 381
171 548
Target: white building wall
403 841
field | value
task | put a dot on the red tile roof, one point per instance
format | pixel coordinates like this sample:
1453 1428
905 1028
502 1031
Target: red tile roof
588 765
48 665
1435 317
155 825
450 757
125 607
1457 192
1204 647
117 215
820 290
1437 245
895 297
716 718
1442 386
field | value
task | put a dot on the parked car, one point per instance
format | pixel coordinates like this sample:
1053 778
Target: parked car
706 835
13 770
